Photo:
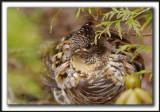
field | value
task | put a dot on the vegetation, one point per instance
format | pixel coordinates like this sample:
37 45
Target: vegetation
131 18
24 60
26 47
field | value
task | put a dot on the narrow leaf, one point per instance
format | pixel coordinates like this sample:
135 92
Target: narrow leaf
118 27
114 9
95 9
82 9
90 10
112 14
148 20
108 26
140 37
78 13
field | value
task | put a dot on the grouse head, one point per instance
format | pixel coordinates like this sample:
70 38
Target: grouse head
82 44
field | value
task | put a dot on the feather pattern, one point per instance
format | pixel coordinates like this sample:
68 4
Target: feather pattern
84 73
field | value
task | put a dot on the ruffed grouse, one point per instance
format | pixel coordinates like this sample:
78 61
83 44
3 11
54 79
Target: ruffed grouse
85 73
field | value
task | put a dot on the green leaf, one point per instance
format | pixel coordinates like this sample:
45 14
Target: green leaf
106 16
148 20
54 18
119 15
78 13
90 10
114 9
140 48
135 24
98 36
95 9
140 37
102 23
84 16
95 40
118 27
138 10
129 29
142 72
121 9
112 14
82 9
107 28
150 77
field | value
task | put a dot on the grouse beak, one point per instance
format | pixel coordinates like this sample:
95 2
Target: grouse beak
69 54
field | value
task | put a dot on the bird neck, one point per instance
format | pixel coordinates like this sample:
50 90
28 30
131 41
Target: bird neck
80 65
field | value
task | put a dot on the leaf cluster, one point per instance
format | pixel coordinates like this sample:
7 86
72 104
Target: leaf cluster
130 16
115 17
139 49
124 15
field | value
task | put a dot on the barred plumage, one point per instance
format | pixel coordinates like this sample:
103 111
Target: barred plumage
84 73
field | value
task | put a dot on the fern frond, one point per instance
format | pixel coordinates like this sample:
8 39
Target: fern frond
101 24
140 48
126 15
121 13
136 26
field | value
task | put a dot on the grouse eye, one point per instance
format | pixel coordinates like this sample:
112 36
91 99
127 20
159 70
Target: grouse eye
88 46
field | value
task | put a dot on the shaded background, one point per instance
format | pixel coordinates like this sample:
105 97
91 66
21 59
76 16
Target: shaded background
28 40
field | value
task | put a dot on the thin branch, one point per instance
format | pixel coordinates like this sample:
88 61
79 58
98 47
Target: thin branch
54 18
143 11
